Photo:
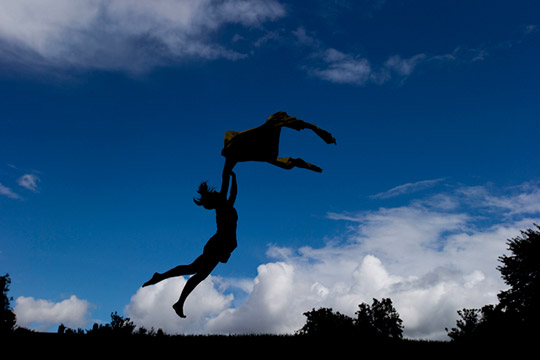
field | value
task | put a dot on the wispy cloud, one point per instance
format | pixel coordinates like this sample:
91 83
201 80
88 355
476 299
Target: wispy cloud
333 65
29 181
520 200
338 67
343 68
5 191
531 29
122 34
407 188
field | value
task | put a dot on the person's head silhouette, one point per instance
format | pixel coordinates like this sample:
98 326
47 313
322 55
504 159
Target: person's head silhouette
209 198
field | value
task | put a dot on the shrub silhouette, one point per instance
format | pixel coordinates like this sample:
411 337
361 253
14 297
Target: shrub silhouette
378 321
118 326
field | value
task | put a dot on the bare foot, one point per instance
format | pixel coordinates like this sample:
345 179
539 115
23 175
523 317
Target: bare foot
179 311
154 280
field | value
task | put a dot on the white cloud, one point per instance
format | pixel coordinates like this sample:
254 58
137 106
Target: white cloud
356 69
29 181
524 200
431 260
343 68
338 67
131 35
403 67
303 38
5 191
407 188
270 308
151 307
42 314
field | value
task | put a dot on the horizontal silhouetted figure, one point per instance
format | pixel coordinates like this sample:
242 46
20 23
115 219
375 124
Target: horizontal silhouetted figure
262 143
218 248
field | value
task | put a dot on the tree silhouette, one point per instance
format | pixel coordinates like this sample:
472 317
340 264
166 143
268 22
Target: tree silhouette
521 271
380 320
516 316
325 322
467 327
7 316
121 325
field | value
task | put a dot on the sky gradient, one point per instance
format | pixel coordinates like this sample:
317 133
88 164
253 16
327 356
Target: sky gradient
114 111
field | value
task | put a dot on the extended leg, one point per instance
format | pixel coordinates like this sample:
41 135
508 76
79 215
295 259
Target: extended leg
179 270
206 268
298 125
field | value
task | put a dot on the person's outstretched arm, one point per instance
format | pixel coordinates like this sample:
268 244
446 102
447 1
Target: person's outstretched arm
234 188
227 170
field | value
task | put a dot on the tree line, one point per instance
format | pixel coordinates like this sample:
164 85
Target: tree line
515 317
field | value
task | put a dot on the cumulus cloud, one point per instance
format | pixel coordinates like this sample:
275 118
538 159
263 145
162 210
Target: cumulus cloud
122 34
29 181
270 308
151 307
431 259
42 314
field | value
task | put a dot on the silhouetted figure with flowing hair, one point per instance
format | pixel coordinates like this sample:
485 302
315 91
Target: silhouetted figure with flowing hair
218 248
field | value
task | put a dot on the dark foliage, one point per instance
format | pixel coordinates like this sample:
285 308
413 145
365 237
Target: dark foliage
378 321
325 322
516 315
7 316
521 271
119 326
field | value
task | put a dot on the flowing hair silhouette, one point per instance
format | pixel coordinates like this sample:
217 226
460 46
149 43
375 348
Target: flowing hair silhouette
218 248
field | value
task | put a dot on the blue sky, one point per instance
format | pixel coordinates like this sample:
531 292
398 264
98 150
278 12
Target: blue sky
114 111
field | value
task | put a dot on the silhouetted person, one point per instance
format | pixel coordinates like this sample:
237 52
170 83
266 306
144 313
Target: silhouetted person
262 143
218 248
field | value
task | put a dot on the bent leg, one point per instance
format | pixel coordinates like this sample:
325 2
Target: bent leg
179 270
206 268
